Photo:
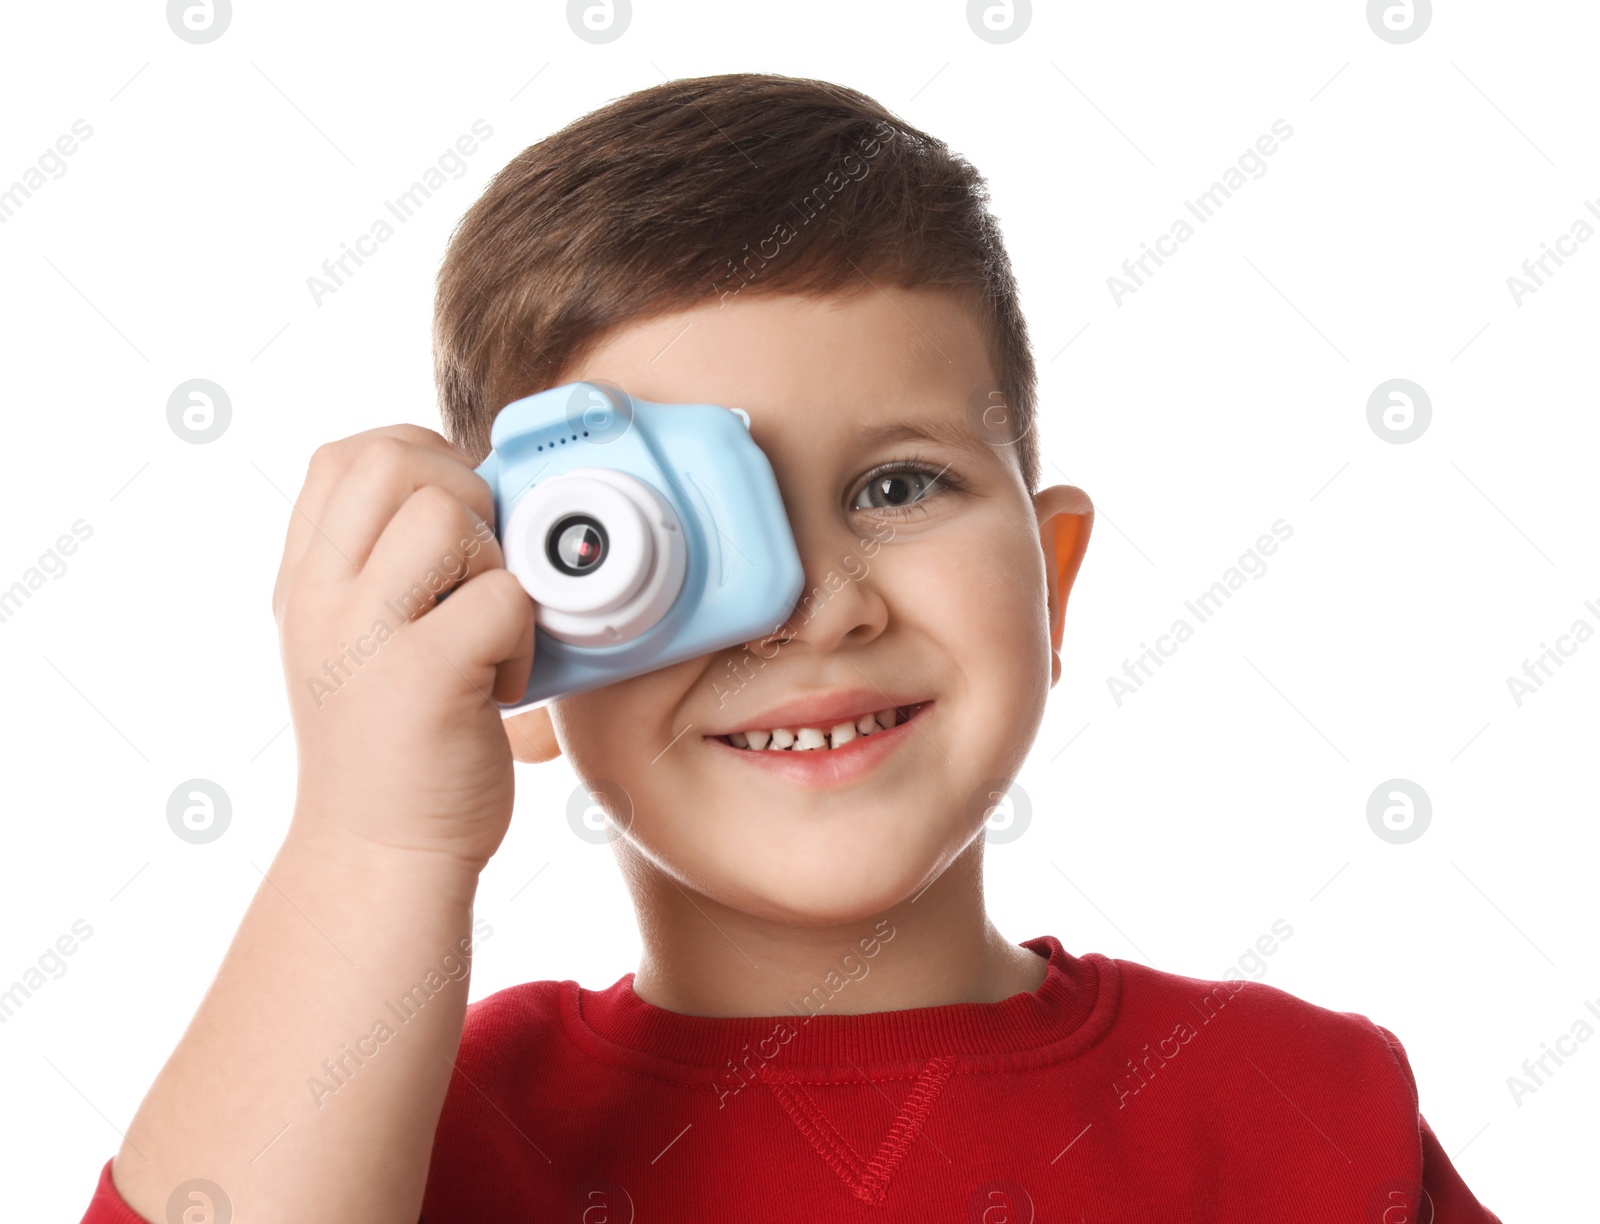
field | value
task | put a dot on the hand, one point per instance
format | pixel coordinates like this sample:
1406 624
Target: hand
390 691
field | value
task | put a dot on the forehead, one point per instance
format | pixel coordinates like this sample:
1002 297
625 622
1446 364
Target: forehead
868 362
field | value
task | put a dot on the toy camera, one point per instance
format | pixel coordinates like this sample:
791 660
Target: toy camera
645 533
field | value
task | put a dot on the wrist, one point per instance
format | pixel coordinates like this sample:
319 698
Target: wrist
315 837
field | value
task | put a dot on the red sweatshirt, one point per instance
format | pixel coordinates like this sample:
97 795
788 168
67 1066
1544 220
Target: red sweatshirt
1114 1092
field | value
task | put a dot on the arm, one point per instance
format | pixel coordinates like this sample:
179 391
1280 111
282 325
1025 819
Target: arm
1444 1197
308 1085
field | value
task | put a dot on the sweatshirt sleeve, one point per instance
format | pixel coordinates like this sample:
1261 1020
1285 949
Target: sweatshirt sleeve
1452 1202
107 1206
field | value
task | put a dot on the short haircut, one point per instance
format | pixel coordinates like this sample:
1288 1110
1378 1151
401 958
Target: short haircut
697 190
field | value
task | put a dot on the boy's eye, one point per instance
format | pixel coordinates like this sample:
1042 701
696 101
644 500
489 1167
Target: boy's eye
900 487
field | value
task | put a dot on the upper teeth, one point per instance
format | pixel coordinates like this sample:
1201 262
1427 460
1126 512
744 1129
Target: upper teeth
802 739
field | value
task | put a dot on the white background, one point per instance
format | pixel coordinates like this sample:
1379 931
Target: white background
1226 393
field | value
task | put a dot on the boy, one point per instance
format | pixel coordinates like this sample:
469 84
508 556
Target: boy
824 1024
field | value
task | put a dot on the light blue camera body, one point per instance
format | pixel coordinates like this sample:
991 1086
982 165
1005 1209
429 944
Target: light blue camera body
645 533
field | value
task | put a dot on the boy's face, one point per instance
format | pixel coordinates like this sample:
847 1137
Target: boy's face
944 601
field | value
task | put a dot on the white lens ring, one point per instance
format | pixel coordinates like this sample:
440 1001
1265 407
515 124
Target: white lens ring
614 581
639 577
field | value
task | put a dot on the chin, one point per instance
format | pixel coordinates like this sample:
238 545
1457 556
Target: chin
834 885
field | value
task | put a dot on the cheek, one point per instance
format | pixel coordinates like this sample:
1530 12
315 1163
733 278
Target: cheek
977 596
623 735
979 593
610 732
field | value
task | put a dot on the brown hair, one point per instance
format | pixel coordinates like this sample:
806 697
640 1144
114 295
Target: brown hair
707 187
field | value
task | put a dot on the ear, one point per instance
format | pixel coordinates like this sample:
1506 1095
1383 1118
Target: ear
1066 516
532 736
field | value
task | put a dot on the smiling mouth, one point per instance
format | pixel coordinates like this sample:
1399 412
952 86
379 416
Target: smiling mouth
822 739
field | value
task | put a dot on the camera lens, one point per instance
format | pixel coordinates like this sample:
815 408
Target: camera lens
577 544
601 552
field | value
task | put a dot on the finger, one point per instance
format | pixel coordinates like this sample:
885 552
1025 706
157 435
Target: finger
382 474
327 468
485 629
432 544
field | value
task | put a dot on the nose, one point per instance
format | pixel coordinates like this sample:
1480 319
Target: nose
842 602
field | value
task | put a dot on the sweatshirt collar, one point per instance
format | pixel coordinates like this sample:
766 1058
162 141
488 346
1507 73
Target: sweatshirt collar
1072 1008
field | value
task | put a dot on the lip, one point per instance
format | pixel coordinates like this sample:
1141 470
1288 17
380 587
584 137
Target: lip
825 711
830 766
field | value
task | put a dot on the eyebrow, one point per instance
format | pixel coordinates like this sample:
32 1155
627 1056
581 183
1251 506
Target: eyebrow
950 433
